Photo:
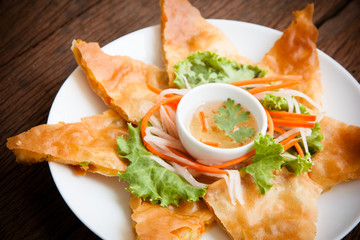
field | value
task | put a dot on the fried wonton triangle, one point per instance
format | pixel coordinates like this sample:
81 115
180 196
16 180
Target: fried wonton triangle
90 144
287 211
186 221
120 81
340 159
185 31
295 54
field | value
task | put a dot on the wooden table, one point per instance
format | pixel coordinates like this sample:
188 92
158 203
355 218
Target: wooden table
35 60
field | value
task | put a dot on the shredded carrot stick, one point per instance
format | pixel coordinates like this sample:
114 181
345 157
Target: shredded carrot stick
273 87
293 123
270 122
297 145
237 160
288 139
267 80
143 126
284 114
213 144
153 88
194 165
299 150
279 130
203 121
290 144
173 105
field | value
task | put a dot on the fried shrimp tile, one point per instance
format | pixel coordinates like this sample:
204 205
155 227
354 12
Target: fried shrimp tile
89 144
282 213
120 81
185 31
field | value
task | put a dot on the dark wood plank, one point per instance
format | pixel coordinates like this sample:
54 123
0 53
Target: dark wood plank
339 37
35 59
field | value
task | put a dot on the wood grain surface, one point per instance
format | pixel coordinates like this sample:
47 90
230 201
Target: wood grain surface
35 60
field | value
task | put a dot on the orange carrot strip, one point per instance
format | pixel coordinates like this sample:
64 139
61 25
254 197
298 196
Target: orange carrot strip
270 122
273 87
203 121
299 150
143 126
288 139
194 165
290 144
153 88
285 114
173 105
293 123
279 130
213 144
297 145
267 80
237 160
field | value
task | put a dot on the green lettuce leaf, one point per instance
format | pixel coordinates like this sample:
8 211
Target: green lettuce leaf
267 159
206 67
149 180
299 164
278 103
314 140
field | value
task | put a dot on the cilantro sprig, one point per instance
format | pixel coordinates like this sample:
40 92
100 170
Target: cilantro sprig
229 117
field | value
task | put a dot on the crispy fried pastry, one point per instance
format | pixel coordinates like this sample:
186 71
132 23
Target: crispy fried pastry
186 221
89 144
120 81
287 211
295 54
185 31
340 159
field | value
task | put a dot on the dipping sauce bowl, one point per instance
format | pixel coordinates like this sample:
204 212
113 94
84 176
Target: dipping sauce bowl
212 92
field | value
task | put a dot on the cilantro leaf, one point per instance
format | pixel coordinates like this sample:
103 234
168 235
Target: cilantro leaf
206 67
149 180
267 159
243 132
230 116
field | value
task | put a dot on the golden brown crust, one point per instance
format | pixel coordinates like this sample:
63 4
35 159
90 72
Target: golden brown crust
295 54
120 81
340 159
91 140
287 211
185 31
186 221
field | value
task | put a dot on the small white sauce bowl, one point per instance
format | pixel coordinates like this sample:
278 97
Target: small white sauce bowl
209 93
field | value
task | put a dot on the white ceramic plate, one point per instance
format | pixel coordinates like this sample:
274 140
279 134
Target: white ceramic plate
102 203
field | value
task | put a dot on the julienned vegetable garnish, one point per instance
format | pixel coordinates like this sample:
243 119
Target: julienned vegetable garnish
290 147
